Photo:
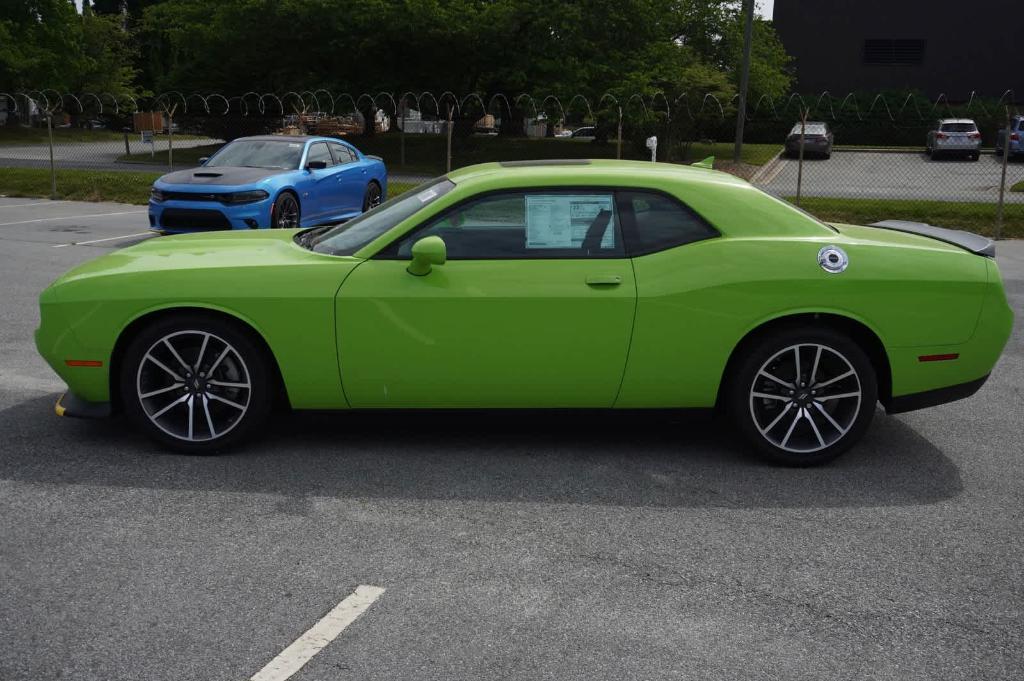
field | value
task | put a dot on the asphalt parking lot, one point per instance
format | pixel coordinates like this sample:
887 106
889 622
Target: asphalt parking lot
894 175
508 546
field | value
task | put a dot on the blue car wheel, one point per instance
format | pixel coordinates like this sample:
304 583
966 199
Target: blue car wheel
373 196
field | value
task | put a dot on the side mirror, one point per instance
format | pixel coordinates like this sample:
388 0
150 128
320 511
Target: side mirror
316 165
427 252
203 160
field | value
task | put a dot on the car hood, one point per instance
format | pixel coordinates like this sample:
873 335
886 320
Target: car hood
190 255
220 175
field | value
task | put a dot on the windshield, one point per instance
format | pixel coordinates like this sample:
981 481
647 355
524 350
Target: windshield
958 127
258 154
348 238
810 129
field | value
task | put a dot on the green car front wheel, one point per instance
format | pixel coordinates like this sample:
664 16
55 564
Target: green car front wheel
195 383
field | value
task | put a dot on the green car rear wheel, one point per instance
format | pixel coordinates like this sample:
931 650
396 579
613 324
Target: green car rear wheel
803 396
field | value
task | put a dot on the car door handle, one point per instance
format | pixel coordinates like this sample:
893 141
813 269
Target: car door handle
604 280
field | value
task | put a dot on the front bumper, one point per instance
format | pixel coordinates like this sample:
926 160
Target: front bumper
73 406
181 217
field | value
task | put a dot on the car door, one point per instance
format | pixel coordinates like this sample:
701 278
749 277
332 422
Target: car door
534 308
322 198
351 177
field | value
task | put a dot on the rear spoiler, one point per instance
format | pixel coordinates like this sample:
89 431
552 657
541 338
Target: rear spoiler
975 243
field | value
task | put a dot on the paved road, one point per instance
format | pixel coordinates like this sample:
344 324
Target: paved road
91 155
876 175
509 547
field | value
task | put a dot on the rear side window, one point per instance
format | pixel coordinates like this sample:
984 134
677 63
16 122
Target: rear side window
656 222
342 154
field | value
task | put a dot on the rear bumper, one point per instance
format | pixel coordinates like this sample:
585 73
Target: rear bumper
73 406
931 398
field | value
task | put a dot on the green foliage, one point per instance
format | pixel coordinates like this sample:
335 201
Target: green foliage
48 44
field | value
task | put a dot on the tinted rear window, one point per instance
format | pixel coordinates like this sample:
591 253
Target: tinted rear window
958 127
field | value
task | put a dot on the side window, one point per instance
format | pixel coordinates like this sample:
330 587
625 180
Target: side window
525 225
656 222
319 152
342 154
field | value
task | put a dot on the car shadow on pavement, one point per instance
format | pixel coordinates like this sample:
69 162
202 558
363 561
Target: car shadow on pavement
624 459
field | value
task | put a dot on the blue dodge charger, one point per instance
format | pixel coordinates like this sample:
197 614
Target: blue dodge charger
269 181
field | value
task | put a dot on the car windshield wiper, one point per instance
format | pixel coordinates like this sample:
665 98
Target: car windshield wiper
305 239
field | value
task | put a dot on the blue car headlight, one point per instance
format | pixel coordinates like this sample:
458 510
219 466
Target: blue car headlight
156 195
244 197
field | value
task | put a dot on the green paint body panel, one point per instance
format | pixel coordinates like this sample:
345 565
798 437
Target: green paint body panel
362 332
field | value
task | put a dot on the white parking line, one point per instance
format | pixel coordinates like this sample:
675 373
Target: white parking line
96 241
72 217
23 205
319 635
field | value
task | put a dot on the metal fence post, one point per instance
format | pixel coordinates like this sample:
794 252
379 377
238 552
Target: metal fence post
53 168
800 162
170 136
403 131
618 148
1002 182
449 163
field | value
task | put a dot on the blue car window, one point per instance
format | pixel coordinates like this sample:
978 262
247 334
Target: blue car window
319 152
258 154
342 154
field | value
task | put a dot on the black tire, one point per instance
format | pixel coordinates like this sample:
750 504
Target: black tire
975 156
198 399
838 423
372 197
929 153
287 211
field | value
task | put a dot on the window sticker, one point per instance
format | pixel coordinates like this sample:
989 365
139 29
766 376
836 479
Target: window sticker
294 145
426 195
562 220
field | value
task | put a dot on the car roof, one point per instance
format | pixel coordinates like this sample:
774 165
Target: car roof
291 138
592 171
956 120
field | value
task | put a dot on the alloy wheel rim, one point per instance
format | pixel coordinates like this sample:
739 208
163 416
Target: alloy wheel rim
289 216
805 398
373 200
193 385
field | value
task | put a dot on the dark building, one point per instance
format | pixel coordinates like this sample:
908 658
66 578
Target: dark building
934 46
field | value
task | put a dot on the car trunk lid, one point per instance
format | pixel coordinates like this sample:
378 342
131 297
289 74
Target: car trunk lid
968 241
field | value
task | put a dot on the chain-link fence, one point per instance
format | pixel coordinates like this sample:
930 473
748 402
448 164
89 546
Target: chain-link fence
859 158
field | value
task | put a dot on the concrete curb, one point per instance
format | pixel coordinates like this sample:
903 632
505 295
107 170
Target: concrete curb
766 168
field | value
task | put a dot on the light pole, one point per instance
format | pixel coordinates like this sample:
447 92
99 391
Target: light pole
748 35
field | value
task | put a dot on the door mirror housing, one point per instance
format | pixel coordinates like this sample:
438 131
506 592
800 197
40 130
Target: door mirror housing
203 160
316 165
427 252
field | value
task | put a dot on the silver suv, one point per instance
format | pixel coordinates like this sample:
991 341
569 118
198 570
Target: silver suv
954 136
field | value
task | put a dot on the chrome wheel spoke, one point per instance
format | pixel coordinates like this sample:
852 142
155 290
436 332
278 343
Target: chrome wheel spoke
191 417
840 396
166 409
828 417
161 391
833 380
227 349
770 396
775 378
796 376
202 351
163 366
814 427
792 426
228 384
778 418
209 420
185 365
814 368
213 396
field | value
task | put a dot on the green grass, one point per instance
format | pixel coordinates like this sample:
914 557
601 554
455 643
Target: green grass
425 154
15 134
90 185
183 156
974 217
79 185
1019 187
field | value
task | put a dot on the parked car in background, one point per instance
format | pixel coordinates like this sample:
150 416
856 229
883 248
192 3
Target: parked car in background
537 284
817 140
954 137
585 133
269 181
1016 132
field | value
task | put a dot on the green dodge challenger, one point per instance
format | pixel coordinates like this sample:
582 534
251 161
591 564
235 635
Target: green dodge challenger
541 284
